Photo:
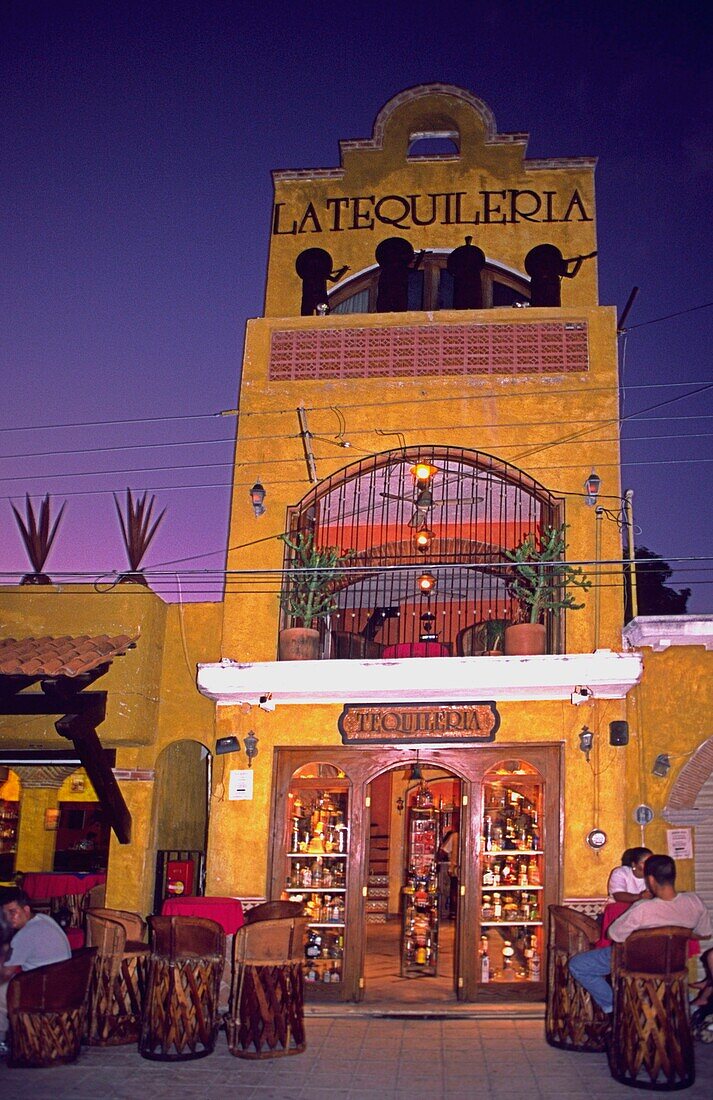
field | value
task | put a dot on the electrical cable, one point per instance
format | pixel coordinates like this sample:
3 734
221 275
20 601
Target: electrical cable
25 476
325 408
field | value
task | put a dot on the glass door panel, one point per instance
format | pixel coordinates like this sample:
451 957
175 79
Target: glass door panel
512 875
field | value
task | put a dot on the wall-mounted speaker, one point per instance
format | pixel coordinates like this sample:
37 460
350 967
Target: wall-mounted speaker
618 733
226 744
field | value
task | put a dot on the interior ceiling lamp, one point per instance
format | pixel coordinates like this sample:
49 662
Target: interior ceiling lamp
416 772
426 583
586 741
422 539
591 488
257 498
422 472
250 747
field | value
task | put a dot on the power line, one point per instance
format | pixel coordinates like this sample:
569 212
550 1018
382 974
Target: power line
583 431
121 447
25 476
363 570
230 440
186 487
224 413
109 423
667 317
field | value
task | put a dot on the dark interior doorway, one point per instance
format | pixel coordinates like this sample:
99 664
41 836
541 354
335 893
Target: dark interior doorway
413 809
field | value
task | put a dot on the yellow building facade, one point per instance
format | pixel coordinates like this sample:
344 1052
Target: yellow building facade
475 345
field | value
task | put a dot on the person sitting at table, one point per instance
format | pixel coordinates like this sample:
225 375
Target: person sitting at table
665 907
704 999
37 941
626 883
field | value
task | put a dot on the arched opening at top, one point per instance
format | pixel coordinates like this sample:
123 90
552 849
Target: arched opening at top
428 566
431 287
434 143
181 817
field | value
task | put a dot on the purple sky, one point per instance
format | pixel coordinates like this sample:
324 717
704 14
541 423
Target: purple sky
137 142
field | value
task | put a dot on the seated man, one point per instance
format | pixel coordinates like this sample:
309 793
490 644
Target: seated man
685 910
37 940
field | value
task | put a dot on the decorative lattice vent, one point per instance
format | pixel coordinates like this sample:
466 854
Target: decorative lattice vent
400 351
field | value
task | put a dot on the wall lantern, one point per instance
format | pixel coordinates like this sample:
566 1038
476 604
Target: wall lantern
426 583
251 747
586 741
257 498
422 539
591 488
400 805
428 623
662 765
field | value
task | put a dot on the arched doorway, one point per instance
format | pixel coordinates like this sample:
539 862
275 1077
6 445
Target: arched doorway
412 887
181 811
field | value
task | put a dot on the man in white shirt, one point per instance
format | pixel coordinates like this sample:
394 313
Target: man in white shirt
37 940
685 910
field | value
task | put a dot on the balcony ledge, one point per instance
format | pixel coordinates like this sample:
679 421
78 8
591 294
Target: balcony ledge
660 632
606 675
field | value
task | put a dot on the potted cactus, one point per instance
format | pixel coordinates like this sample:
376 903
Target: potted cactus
540 581
308 593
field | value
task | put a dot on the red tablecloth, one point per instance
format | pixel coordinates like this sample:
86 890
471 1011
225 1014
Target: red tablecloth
52 884
227 912
416 649
615 909
75 937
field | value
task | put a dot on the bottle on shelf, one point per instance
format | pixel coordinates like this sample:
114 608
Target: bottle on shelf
484 960
533 965
533 872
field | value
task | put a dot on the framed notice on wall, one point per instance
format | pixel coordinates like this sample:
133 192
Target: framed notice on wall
679 843
240 785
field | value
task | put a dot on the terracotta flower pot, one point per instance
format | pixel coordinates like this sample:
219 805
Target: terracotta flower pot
299 643
525 640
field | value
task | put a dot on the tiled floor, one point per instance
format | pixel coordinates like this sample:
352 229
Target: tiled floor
356 1058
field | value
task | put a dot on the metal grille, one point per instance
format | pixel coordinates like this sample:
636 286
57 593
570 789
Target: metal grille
474 508
437 349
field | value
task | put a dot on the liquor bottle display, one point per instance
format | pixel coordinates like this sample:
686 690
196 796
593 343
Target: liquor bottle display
9 818
419 930
511 875
316 871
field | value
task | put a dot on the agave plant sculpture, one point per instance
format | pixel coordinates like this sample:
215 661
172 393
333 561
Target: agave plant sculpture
137 531
38 534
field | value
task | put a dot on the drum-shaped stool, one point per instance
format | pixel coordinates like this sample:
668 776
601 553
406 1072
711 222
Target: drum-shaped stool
573 1021
46 1010
181 1017
652 1044
266 1016
118 985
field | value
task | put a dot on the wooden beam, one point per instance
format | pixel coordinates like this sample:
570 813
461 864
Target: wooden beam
80 729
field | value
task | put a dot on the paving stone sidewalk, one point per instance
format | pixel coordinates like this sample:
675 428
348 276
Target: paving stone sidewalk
350 1059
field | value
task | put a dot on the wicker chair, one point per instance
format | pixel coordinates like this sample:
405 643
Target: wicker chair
652 1045
266 1015
46 1011
572 1019
118 984
181 1017
274 910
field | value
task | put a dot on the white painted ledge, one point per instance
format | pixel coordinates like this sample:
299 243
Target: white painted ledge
660 632
606 674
